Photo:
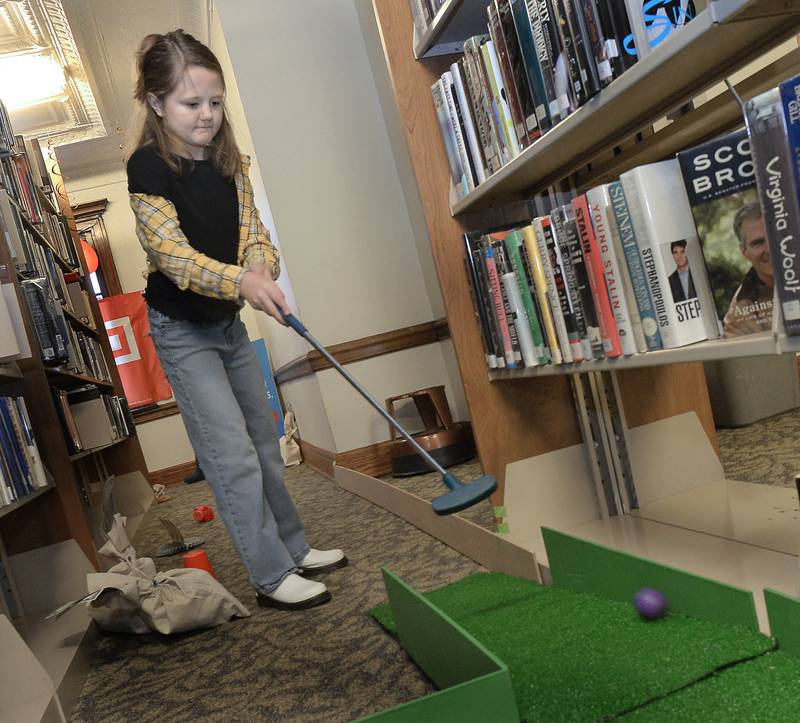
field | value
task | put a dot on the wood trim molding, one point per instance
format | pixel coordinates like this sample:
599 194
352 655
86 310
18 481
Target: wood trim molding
320 459
367 347
149 415
374 460
171 475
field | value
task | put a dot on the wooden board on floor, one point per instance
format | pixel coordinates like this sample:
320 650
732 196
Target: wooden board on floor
471 540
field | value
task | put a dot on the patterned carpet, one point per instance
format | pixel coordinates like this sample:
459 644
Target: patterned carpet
247 669
766 452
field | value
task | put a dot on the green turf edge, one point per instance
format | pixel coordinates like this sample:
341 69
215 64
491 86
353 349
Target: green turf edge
589 567
476 685
783 612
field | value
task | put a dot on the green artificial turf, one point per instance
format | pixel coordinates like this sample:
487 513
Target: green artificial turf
576 656
764 689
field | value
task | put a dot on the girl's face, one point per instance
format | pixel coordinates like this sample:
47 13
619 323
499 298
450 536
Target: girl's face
193 111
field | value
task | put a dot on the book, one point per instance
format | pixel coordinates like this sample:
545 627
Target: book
570 55
475 149
550 55
563 223
599 201
476 84
671 255
583 52
500 102
503 267
653 21
457 171
530 64
777 190
595 272
495 286
510 91
599 47
542 227
720 181
456 123
616 28
633 261
517 255
481 301
541 284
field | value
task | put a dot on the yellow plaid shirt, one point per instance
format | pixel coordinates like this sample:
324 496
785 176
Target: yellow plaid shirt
168 250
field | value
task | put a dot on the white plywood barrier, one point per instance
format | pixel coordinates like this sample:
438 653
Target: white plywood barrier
553 490
671 456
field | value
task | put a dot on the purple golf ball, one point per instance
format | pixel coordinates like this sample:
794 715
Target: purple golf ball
650 603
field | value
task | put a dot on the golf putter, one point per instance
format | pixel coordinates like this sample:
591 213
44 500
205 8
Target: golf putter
461 495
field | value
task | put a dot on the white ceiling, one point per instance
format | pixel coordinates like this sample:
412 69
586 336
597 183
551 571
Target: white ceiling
108 34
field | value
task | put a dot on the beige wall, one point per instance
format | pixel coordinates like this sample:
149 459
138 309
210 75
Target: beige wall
342 196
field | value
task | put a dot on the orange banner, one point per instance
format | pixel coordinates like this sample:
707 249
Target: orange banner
125 318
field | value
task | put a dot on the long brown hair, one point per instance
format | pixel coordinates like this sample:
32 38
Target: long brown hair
161 63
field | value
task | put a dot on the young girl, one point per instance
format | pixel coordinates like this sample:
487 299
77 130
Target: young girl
207 253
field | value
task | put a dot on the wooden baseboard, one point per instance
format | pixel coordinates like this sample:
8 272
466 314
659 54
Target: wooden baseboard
171 475
320 459
374 459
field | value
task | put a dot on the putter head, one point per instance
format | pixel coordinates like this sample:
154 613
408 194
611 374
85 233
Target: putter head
464 495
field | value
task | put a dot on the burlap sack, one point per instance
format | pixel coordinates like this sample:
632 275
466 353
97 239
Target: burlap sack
132 597
290 449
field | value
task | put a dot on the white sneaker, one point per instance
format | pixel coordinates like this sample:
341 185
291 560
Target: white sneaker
319 561
295 593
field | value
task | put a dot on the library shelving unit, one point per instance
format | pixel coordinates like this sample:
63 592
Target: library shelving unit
49 538
623 452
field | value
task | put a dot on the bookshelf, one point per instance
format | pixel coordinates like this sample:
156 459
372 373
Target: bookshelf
59 511
562 436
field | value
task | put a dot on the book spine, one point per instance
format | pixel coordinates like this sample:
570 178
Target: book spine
540 282
633 260
499 307
570 325
617 28
509 90
539 225
586 64
483 115
579 95
598 201
519 73
515 245
520 320
503 268
458 135
470 122
550 51
479 302
558 221
775 166
594 269
40 326
40 477
637 43
664 226
598 47
530 64
457 171
500 100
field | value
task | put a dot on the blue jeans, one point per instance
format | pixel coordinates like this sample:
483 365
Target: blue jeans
220 392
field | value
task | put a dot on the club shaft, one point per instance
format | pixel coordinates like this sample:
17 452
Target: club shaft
364 393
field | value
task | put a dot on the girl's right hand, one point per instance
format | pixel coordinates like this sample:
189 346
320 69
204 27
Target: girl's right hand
261 292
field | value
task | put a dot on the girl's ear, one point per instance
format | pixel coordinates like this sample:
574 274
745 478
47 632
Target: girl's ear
155 104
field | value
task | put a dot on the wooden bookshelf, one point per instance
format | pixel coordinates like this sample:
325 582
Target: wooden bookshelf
59 512
676 71
532 411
